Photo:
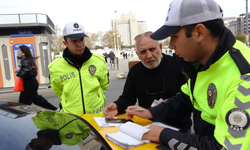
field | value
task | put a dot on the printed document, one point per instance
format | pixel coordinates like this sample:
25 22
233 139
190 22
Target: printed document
129 136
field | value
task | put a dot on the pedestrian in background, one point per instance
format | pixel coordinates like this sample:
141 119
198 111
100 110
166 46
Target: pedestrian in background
112 57
28 73
105 57
79 78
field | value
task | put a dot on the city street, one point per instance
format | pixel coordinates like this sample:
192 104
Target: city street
113 92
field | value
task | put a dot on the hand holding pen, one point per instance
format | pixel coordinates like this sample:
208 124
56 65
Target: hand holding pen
138 111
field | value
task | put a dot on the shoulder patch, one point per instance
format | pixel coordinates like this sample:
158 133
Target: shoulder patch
237 119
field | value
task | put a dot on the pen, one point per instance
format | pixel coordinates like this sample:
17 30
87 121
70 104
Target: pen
139 109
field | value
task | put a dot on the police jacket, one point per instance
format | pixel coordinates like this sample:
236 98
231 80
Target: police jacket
60 127
218 95
80 88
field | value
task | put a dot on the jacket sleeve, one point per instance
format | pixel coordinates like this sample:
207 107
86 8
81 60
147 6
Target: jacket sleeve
170 109
104 79
174 139
55 84
232 128
128 96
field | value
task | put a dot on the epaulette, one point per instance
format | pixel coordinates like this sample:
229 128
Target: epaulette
240 61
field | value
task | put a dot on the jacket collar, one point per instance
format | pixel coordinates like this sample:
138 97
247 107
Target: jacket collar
190 69
76 60
226 42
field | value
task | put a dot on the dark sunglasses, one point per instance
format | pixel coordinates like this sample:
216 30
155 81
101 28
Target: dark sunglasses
139 36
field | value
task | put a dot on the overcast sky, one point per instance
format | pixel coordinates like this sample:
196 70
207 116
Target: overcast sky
96 15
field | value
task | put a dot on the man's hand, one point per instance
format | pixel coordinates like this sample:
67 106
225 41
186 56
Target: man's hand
110 111
142 113
153 134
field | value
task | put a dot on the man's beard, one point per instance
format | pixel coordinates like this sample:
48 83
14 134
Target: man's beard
156 64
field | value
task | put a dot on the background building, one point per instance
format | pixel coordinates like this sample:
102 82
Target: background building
32 30
238 26
233 27
128 27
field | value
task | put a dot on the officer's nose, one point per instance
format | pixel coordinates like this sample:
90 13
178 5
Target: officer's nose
80 44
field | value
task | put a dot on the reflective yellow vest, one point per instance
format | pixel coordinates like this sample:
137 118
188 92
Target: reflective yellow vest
71 129
81 91
230 90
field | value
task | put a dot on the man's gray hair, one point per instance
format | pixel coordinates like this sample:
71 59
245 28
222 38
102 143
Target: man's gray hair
143 37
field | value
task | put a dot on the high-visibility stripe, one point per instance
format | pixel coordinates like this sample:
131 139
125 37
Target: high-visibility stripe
236 134
239 104
230 146
182 146
244 90
245 77
171 143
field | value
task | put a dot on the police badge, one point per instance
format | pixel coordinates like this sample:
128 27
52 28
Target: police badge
69 136
76 25
211 95
237 119
92 69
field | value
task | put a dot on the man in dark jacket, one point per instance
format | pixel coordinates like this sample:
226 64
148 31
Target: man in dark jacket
112 57
156 76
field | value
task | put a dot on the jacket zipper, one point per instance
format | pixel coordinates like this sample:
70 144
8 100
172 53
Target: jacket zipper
78 69
83 106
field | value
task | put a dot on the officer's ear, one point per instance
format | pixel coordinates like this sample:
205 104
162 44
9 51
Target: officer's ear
65 43
200 32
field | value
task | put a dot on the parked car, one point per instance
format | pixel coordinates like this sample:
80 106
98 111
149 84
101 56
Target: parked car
25 127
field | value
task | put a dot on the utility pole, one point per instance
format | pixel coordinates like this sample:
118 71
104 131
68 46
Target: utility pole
114 41
116 32
247 34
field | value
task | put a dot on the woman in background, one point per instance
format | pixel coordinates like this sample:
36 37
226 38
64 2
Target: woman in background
28 73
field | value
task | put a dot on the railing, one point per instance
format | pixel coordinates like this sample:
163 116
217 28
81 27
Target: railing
25 18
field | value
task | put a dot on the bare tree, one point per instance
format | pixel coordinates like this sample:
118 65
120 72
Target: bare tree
94 40
100 34
108 39
91 40
87 39
58 40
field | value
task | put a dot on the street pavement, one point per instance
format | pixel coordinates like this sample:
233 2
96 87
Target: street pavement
112 93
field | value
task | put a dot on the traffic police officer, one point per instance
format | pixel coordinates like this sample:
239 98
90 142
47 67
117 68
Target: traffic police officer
218 89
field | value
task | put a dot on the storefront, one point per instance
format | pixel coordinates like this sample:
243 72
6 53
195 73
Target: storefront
32 30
